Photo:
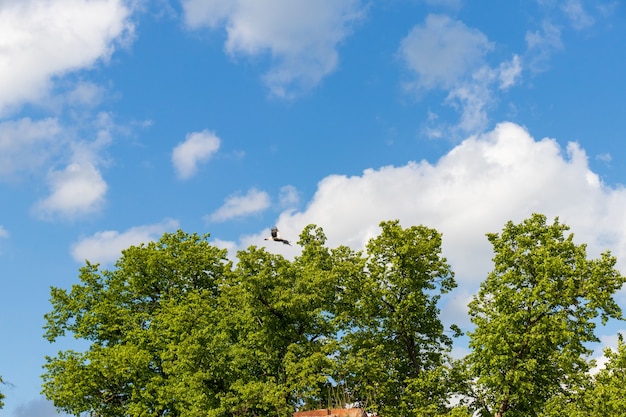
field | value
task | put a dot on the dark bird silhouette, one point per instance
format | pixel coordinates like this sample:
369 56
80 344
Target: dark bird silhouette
276 237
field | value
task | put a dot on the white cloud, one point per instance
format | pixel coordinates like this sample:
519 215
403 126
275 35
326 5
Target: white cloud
40 40
442 51
289 196
475 189
198 147
26 145
472 99
85 93
230 246
106 247
604 157
4 233
606 341
77 190
576 13
541 44
446 54
241 205
509 72
300 37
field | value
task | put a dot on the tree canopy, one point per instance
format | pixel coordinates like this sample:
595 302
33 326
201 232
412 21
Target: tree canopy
534 315
177 329
602 395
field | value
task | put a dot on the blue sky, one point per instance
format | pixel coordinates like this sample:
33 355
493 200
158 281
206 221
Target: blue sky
124 119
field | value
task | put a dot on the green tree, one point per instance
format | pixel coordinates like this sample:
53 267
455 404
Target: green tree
534 316
176 330
150 322
281 333
607 396
394 344
602 396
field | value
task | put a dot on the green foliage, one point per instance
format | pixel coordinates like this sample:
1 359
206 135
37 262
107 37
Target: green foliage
394 344
148 322
602 396
176 330
534 315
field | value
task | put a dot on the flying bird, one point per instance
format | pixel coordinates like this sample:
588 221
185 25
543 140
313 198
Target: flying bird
276 237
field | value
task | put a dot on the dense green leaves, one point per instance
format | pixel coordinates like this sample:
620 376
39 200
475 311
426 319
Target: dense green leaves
394 340
534 315
602 395
143 321
176 329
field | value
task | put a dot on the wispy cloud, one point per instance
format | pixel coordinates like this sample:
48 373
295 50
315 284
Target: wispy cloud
252 202
39 407
509 72
454 4
198 147
26 145
289 196
4 233
442 51
578 16
299 36
105 247
445 54
43 40
79 189
541 44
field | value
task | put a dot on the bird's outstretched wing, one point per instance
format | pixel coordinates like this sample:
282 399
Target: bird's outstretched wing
276 237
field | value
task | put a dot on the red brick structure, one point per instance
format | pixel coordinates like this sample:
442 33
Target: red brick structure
334 412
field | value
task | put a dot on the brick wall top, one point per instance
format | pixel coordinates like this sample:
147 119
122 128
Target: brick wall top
334 412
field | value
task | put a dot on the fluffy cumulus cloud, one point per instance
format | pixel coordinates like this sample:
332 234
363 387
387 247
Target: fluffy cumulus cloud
475 189
198 147
105 247
300 37
445 54
253 201
77 190
40 40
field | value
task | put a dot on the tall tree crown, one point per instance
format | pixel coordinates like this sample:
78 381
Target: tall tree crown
535 314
